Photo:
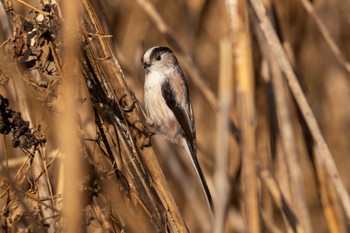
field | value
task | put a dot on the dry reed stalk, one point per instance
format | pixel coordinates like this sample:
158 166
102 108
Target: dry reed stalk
324 155
290 152
265 138
280 201
282 175
67 122
279 163
329 200
247 147
32 7
339 56
243 72
222 188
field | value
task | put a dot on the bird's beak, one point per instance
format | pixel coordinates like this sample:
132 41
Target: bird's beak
146 65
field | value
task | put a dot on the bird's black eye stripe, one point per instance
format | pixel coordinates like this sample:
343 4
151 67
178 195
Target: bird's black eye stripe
158 51
161 49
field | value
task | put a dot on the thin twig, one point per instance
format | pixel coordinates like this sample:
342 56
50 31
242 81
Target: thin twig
33 7
339 56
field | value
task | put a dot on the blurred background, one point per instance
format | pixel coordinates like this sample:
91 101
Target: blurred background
198 27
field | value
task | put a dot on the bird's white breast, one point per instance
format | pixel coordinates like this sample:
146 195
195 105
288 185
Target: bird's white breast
158 111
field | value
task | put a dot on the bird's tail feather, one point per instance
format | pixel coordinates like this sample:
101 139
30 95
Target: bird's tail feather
195 163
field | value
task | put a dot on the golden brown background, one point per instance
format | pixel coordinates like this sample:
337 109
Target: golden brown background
317 45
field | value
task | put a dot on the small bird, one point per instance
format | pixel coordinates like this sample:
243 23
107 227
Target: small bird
168 106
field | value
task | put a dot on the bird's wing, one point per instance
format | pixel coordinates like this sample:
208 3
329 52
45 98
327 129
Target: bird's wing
182 112
184 115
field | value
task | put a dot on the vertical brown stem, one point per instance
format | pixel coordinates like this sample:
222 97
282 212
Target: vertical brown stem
221 168
243 69
69 137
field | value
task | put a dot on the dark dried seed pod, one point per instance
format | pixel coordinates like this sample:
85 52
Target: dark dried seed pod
26 144
17 116
28 26
7 130
4 102
8 113
15 142
2 128
16 134
47 8
22 130
35 142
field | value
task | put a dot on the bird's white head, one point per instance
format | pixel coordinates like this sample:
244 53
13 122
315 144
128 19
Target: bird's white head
159 59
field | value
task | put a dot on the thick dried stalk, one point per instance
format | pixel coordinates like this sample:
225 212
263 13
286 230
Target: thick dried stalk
148 178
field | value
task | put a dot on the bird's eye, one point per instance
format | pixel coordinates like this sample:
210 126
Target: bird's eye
158 57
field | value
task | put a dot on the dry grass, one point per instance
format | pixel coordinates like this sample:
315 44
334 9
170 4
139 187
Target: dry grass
269 86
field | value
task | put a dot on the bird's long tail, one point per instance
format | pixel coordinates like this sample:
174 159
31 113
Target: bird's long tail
194 160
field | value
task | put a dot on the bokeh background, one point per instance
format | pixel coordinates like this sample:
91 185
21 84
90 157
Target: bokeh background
199 26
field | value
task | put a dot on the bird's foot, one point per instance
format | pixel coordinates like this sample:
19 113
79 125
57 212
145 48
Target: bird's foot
147 142
131 107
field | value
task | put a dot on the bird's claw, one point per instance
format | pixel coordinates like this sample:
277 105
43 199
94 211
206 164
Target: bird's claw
132 106
147 142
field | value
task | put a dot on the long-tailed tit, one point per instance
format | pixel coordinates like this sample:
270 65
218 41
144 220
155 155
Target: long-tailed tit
168 105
